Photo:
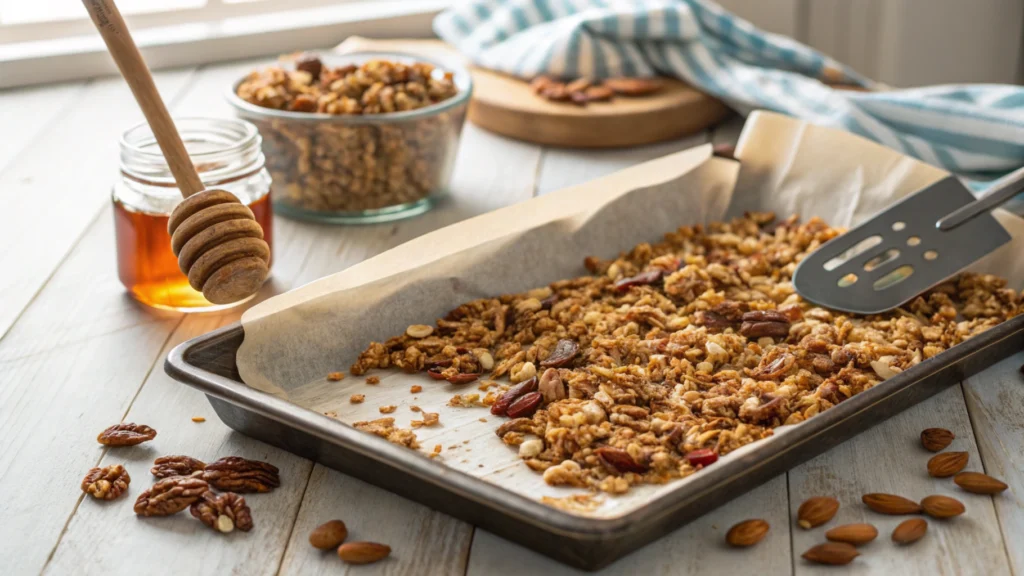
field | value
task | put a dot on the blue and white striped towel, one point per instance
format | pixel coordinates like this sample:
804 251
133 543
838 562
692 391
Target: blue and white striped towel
974 130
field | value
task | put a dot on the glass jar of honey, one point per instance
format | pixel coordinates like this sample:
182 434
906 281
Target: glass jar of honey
228 156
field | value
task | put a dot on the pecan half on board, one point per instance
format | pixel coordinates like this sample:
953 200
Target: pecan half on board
223 512
126 434
106 483
234 474
167 466
170 496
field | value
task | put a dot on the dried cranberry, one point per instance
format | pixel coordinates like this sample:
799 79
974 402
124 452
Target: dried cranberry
704 457
646 277
525 406
562 355
505 400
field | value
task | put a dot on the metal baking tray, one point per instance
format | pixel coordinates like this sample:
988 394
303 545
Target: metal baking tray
208 364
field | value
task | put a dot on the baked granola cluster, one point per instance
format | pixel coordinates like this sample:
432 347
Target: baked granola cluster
333 165
677 352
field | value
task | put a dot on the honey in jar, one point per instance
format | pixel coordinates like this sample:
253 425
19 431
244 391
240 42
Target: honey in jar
227 156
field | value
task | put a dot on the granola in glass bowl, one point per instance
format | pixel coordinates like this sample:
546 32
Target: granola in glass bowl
675 353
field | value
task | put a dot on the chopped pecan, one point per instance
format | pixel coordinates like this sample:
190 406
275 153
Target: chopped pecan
762 329
170 496
521 425
310 63
236 474
126 434
774 364
765 316
222 512
167 466
620 460
562 355
501 405
106 483
551 386
714 321
644 278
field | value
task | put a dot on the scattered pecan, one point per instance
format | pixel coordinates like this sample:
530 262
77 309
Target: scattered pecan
646 277
106 483
501 405
222 512
170 496
236 474
762 329
126 434
526 405
167 466
562 355
310 63
620 460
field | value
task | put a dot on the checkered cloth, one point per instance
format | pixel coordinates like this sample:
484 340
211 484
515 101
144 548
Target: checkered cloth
973 130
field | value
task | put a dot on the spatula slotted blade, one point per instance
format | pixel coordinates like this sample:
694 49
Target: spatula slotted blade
899 240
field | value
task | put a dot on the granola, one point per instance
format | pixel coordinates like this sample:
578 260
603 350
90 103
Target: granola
385 428
678 352
334 165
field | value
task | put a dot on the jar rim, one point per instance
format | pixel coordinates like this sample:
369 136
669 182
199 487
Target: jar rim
246 135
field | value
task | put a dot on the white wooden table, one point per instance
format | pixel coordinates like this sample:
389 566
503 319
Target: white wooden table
77 355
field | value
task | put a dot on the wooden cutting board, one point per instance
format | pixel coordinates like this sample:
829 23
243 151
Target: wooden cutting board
506 105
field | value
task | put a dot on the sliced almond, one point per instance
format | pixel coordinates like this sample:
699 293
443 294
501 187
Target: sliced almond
979 483
890 504
834 553
942 506
747 533
419 331
816 511
855 534
936 439
909 531
947 464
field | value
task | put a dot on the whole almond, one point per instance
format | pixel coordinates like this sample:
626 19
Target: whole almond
328 535
816 511
947 464
942 506
835 553
936 439
747 533
909 531
979 483
890 504
855 534
363 552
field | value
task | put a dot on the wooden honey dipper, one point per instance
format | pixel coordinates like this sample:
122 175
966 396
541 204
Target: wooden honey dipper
218 243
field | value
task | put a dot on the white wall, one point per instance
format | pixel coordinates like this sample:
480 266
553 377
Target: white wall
905 42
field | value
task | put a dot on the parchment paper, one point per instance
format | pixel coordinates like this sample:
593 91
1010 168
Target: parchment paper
292 341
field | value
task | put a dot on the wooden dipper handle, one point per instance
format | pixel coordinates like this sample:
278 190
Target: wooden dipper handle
218 243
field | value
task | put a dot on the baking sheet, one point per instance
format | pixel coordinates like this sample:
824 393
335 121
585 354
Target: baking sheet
292 341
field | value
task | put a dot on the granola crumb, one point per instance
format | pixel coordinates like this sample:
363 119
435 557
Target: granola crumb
198 419
429 419
385 428
437 449
336 376
372 380
357 398
416 389
331 414
482 419
387 409
415 408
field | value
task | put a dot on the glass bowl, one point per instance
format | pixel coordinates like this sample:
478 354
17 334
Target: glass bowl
358 169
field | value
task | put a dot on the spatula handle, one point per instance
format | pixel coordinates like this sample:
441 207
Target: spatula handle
129 61
1002 190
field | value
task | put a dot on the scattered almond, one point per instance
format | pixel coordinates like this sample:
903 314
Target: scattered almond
328 535
198 419
947 464
816 511
909 531
335 376
890 504
979 483
936 439
942 506
855 534
834 553
747 533
363 552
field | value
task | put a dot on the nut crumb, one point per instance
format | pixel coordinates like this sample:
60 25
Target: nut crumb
357 398
415 408
482 419
336 376
437 449
331 414
385 428
416 389
198 419
429 419
388 409
372 380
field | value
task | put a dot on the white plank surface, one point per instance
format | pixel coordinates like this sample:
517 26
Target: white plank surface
889 458
995 400
25 112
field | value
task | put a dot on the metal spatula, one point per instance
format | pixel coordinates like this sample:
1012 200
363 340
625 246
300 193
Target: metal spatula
907 248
